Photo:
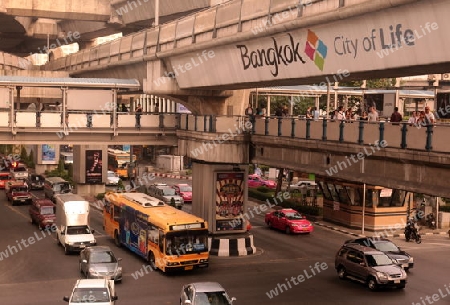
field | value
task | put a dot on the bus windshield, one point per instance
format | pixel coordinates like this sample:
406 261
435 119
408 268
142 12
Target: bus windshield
186 242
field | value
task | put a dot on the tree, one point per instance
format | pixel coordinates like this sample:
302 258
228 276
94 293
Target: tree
24 155
376 83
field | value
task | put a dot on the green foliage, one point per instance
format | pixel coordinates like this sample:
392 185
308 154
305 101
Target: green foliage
264 189
251 169
371 83
61 165
60 173
444 208
100 196
31 159
264 168
120 185
24 155
188 172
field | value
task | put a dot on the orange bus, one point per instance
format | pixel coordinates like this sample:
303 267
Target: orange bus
168 238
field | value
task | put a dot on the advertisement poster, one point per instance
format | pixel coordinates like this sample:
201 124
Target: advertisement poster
230 201
94 166
133 230
48 154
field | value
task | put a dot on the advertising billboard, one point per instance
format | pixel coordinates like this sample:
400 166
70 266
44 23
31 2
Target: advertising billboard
229 201
48 154
94 166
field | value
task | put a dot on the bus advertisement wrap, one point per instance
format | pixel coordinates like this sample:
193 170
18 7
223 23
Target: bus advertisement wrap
94 166
133 231
229 201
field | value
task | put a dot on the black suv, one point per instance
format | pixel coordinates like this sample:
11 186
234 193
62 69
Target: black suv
386 246
368 266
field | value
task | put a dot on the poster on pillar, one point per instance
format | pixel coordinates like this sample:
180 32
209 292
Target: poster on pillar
229 201
94 166
48 154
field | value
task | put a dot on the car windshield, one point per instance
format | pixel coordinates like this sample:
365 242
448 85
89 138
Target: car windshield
19 169
293 215
20 189
37 178
168 191
78 230
90 295
185 242
213 298
61 187
378 260
185 188
386 247
47 211
102 257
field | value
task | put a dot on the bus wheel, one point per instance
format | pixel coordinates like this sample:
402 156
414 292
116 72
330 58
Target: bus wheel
151 260
116 239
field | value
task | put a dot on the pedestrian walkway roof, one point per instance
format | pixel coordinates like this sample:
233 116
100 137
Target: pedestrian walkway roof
107 83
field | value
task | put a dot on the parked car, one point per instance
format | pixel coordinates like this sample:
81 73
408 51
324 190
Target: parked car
100 262
17 192
112 178
205 293
288 220
165 193
257 181
368 266
35 182
42 212
397 255
306 184
98 291
185 191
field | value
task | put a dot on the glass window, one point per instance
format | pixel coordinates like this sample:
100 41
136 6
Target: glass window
102 257
117 213
333 192
186 242
47 211
325 191
90 295
212 298
153 233
343 194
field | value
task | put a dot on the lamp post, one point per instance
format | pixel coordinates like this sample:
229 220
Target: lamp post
363 199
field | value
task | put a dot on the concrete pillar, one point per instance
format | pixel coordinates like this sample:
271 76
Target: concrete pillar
90 169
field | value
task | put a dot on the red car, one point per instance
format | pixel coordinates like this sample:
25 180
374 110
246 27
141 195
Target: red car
288 220
185 191
42 212
4 176
257 181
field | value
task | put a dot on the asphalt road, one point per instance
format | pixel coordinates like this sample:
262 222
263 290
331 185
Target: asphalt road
41 274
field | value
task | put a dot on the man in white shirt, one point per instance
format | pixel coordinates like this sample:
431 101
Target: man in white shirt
316 114
373 115
429 116
413 119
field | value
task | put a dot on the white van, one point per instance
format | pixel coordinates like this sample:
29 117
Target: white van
54 186
72 223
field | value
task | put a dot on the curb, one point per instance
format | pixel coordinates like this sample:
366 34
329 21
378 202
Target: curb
172 176
361 235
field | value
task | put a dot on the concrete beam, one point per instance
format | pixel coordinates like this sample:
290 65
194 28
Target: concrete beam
89 10
416 171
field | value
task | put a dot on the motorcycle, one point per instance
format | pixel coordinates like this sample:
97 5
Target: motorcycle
431 221
412 232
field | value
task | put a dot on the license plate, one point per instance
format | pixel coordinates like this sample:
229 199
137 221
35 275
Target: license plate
396 281
189 268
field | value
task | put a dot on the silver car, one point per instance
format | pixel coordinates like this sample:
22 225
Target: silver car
205 293
369 266
99 262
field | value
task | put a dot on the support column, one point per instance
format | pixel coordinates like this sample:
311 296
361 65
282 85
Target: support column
90 169
223 205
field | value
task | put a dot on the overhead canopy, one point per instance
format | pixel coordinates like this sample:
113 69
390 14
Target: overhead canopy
305 90
107 83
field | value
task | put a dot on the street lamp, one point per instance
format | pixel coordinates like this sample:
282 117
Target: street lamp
363 199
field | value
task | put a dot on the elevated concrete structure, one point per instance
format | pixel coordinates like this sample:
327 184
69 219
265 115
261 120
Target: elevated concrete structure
26 24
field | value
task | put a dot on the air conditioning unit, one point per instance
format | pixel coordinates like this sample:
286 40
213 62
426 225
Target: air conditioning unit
446 76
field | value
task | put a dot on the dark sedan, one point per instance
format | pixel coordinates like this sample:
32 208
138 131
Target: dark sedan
397 255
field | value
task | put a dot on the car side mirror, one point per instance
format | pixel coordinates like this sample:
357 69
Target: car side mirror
114 298
362 264
187 302
233 299
92 231
66 299
119 259
84 261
